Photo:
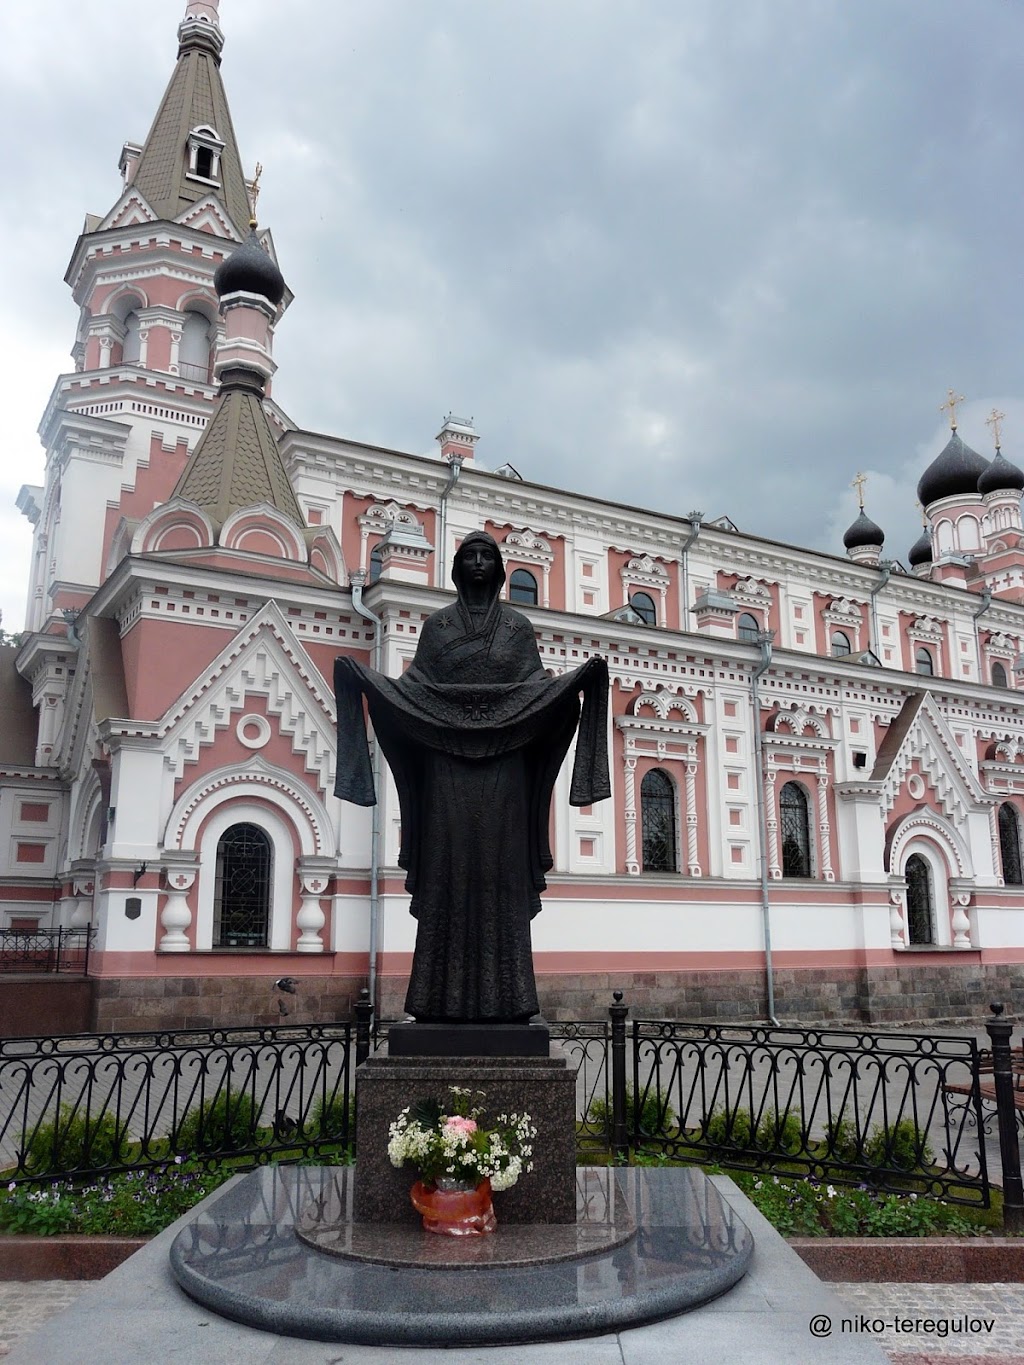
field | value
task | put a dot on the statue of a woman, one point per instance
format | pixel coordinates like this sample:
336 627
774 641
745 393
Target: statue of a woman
474 732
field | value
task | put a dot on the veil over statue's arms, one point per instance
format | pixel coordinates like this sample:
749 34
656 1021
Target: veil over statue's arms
475 733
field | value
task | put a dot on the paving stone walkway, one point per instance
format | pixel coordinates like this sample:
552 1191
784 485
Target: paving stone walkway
966 1309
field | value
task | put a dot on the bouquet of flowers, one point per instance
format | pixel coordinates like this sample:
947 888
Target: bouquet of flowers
447 1144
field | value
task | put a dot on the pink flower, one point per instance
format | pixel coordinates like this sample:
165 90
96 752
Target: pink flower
457 1124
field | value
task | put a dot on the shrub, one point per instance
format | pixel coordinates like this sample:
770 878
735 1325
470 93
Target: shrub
809 1208
73 1142
780 1133
327 1118
841 1139
227 1123
656 1114
729 1128
897 1146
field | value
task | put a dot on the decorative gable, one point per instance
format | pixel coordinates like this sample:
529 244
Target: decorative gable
929 741
130 209
264 659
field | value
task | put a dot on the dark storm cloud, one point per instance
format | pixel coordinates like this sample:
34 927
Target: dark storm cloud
684 255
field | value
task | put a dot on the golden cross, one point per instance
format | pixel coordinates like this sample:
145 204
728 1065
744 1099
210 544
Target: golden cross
951 403
993 420
859 483
254 195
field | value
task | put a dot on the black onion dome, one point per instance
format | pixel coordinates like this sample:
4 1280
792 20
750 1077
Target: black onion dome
1000 474
249 268
921 550
956 469
863 532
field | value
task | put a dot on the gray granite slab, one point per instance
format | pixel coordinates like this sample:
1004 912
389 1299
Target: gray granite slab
242 1258
138 1315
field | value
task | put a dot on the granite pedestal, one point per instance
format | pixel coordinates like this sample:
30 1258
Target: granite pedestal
543 1087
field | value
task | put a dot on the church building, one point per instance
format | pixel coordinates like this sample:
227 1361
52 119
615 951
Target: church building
817 760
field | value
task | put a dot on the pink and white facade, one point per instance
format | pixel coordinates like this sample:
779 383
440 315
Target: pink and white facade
857 788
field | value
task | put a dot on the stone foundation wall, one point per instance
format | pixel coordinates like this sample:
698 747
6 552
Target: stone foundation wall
129 1003
902 993
875 995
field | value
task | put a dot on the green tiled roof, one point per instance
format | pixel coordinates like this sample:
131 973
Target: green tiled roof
194 96
236 463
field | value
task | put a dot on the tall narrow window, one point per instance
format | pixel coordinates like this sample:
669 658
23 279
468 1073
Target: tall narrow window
522 587
376 565
194 350
747 627
132 346
998 675
241 916
658 818
923 662
643 604
794 817
1009 845
920 901
840 644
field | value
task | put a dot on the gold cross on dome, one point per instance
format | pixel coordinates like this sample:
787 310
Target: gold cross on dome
951 404
993 420
254 191
859 483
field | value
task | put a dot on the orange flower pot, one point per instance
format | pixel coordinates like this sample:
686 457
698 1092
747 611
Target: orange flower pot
460 1212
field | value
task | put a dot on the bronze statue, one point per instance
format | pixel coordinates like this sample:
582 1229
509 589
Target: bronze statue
474 732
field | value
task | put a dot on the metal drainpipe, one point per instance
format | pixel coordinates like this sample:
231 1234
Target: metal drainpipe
695 519
764 641
454 470
358 581
886 565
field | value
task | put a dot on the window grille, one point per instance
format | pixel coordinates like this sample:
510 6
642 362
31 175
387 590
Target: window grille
794 818
658 820
1009 845
748 628
242 888
999 676
920 901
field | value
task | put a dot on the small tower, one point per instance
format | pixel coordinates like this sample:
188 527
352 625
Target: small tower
1000 487
948 491
457 438
864 538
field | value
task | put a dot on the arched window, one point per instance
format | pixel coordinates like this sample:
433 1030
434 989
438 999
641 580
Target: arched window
204 162
1009 845
522 587
923 662
241 896
643 604
132 346
194 348
999 676
658 818
376 565
920 902
748 627
840 644
794 817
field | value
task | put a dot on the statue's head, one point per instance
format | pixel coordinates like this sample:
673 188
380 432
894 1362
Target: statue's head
478 564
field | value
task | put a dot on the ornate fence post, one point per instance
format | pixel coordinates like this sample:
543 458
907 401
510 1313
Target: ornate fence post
620 1133
363 1013
1000 1031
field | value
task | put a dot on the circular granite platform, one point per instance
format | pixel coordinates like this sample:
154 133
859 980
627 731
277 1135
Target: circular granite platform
647 1244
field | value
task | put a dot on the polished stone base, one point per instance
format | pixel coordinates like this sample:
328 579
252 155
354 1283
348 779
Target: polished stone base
604 1221
242 1258
413 1038
544 1087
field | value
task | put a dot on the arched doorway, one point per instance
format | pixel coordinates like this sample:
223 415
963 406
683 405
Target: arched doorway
920 901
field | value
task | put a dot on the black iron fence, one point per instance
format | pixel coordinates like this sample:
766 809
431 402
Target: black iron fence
895 1111
45 950
93 1104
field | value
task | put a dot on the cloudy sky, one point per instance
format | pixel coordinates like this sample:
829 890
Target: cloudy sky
683 253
